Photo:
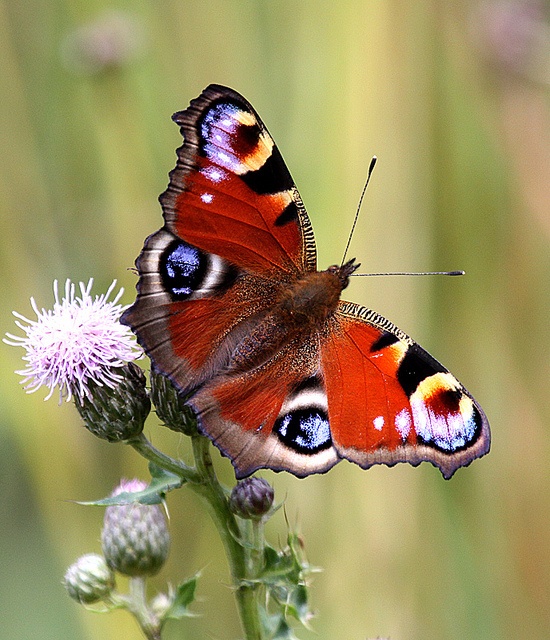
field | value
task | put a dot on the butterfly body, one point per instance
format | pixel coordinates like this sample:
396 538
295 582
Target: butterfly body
281 372
300 310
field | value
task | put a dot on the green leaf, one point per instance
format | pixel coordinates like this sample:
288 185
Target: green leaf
277 565
284 576
183 597
297 604
162 481
272 560
275 626
283 631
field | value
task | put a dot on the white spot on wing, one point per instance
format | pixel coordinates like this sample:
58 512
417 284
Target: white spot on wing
215 174
403 423
207 197
378 423
224 159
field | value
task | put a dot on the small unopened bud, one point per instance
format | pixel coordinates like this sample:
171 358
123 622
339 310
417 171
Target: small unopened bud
251 498
118 413
170 406
135 537
89 579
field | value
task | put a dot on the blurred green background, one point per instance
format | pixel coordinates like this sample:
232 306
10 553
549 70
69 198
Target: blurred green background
453 97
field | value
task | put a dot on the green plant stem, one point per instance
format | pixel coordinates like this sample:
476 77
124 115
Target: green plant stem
256 550
209 488
151 453
242 554
138 606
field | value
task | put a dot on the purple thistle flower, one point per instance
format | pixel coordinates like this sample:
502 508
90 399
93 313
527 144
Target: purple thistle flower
79 341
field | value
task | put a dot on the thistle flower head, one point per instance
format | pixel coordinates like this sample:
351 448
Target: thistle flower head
77 342
135 537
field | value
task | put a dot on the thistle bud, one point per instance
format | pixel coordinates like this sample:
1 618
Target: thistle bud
170 406
251 498
89 579
135 537
118 412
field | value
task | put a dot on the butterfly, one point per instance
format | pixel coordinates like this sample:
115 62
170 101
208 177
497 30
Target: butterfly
281 373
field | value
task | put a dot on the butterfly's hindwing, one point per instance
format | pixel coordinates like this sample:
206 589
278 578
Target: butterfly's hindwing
275 416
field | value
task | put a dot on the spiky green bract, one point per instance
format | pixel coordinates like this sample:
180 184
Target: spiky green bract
285 577
116 414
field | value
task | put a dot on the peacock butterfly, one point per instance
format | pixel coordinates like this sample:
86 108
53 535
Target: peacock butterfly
281 373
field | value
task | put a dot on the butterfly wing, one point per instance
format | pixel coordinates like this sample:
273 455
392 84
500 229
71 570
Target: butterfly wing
235 231
231 193
359 389
390 401
274 417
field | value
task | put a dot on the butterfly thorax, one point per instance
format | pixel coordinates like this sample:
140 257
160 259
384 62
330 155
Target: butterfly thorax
302 308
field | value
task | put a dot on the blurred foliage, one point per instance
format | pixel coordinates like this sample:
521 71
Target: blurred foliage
453 97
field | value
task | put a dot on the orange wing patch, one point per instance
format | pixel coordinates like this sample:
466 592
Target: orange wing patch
368 408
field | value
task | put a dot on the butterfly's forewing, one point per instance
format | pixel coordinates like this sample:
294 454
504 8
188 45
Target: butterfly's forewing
411 408
231 193
235 231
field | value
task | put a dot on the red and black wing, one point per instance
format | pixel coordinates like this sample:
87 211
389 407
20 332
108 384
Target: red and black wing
235 231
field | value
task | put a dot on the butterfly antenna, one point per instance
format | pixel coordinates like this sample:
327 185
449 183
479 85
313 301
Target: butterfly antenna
387 273
371 167
413 273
